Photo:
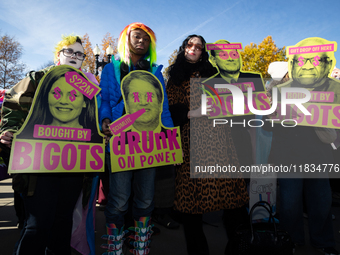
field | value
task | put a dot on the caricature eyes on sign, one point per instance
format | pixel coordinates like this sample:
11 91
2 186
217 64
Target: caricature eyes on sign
234 54
303 60
73 95
136 96
224 54
149 97
57 94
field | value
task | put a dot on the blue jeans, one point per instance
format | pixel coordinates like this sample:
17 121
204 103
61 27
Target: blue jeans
318 198
121 183
49 215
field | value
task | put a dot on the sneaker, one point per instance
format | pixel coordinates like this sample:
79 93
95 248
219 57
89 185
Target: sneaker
166 221
329 251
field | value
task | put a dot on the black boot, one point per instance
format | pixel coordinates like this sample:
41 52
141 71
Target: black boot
194 236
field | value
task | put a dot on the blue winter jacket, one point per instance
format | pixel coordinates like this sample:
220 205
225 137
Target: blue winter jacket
111 93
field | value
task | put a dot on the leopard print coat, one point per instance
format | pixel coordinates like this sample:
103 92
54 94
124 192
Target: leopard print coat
211 145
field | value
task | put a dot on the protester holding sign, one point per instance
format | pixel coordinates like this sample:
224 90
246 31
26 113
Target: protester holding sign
203 145
304 148
137 49
228 61
49 198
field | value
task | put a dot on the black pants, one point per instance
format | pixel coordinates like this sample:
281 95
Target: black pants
193 228
49 215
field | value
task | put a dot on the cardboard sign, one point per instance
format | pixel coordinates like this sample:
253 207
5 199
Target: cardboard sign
61 132
323 115
226 58
139 139
310 64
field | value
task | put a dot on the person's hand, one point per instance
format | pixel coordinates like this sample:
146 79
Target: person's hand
198 112
6 138
107 139
105 127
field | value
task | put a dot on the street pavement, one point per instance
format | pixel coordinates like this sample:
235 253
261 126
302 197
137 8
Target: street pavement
168 242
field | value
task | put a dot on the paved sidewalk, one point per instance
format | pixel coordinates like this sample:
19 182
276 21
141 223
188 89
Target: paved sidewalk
169 242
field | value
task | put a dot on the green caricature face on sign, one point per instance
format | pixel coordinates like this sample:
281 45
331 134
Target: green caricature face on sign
139 138
311 61
141 94
65 104
61 132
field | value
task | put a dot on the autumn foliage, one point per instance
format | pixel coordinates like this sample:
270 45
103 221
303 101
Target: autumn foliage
89 64
171 61
256 58
89 61
107 40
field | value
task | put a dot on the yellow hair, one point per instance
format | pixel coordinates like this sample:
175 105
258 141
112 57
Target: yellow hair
66 40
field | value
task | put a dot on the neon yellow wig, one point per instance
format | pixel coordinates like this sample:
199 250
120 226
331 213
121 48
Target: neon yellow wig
123 43
66 40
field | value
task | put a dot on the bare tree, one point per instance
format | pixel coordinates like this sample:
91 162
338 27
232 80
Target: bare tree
11 69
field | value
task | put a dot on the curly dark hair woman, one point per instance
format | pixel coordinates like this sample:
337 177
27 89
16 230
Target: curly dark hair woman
182 68
202 144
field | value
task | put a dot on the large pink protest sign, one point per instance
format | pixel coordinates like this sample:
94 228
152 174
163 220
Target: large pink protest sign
311 49
81 84
224 46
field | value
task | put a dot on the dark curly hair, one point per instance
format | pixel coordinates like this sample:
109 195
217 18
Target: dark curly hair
181 70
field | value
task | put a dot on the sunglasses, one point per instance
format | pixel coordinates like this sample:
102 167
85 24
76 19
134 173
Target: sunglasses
198 47
69 53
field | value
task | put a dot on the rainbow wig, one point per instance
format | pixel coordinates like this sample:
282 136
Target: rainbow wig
123 43
66 40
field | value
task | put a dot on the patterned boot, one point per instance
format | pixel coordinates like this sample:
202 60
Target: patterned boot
142 236
114 239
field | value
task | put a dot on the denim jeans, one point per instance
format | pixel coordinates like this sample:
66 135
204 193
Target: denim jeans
121 183
318 198
49 215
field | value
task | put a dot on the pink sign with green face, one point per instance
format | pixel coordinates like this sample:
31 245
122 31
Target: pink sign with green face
139 138
61 132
